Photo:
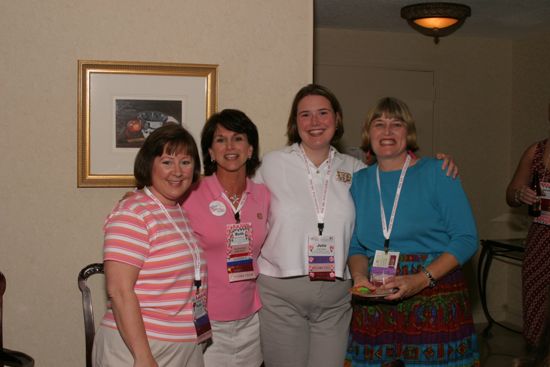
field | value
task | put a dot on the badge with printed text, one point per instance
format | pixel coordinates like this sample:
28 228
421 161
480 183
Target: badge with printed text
200 317
321 252
544 217
240 265
384 267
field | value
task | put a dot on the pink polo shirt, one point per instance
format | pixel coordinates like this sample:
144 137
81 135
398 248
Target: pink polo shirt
227 301
139 233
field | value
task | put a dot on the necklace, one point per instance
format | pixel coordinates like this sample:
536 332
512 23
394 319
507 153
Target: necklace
233 198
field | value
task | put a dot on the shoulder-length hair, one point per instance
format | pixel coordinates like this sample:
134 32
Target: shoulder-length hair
236 121
313 90
392 108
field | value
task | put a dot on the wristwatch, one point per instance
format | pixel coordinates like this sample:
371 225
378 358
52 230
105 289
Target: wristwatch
430 277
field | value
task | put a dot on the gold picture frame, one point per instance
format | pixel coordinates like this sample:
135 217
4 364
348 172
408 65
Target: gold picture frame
120 103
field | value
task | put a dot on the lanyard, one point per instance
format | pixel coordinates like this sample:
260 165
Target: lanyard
237 210
320 208
192 246
385 229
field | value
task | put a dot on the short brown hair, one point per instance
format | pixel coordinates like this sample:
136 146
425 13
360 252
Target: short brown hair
313 90
394 108
169 138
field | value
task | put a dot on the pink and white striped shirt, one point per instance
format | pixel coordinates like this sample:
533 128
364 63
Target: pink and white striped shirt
140 234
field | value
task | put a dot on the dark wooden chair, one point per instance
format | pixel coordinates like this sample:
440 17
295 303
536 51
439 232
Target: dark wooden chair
87 306
11 358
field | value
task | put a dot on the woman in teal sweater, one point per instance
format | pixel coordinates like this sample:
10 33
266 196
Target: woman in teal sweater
408 210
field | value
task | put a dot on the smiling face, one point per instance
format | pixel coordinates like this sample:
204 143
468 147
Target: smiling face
171 176
316 122
388 138
230 150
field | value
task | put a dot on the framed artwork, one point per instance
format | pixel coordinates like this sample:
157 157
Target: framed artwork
121 103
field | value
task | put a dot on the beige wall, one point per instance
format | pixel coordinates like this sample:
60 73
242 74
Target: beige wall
49 228
491 100
531 94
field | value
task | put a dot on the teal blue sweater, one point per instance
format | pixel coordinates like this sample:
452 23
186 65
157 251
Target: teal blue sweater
433 214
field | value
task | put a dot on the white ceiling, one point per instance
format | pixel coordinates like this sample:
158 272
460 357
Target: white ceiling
510 19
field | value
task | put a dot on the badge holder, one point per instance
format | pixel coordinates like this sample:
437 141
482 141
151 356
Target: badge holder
384 267
321 258
239 253
200 317
544 217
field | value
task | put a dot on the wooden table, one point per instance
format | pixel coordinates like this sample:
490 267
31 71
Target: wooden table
511 249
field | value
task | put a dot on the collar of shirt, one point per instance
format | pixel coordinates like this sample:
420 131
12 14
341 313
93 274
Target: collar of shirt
295 149
216 189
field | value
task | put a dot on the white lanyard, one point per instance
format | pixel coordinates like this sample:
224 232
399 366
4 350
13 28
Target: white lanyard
237 210
320 208
192 246
385 229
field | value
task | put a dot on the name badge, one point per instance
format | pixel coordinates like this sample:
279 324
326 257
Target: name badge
384 267
240 265
544 217
321 257
200 317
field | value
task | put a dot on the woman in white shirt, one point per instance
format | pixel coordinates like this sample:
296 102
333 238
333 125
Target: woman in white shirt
304 283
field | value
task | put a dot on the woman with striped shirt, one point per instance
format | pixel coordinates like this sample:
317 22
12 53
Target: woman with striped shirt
155 271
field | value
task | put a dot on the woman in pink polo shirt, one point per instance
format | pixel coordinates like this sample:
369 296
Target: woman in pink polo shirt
228 213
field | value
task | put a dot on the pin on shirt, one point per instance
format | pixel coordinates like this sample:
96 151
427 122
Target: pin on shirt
217 208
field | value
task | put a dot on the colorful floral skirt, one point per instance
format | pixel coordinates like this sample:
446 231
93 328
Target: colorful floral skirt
432 328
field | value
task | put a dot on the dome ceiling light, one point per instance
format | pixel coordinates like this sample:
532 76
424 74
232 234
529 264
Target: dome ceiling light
436 19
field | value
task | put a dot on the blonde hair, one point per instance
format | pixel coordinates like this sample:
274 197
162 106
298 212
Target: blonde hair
394 108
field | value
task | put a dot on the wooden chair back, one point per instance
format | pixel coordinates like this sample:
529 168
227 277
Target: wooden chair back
87 306
2 291
10 357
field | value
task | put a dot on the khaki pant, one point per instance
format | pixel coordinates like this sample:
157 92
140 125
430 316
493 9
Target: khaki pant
304 323
111 351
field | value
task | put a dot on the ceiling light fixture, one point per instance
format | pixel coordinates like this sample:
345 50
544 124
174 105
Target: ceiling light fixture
436 19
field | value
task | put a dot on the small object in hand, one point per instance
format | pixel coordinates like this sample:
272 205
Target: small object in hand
361 290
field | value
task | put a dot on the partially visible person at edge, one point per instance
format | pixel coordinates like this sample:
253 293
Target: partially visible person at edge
228 213
539 356
304 283
413 220
155 271
536 263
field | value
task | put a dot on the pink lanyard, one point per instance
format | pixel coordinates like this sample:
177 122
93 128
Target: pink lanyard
320 208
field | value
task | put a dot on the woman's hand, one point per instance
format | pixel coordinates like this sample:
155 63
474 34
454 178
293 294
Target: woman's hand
517 192
127 195
524 195
359 269
407 286
363 282
449 164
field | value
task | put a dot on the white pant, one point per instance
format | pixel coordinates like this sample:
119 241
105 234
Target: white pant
235 343
304 323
